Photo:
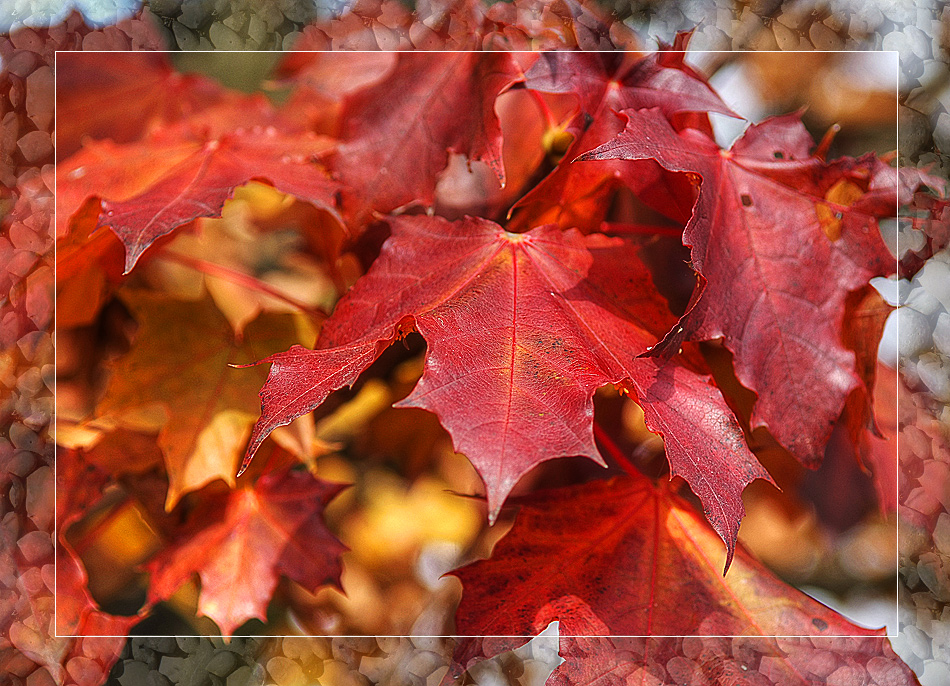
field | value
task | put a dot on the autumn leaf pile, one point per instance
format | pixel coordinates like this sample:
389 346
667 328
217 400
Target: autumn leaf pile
549 224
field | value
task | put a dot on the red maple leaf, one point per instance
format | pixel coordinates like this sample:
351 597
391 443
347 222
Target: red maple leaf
426 106
145 91
622 557
778 239
141 201
275 527
605 83
79 485
521 329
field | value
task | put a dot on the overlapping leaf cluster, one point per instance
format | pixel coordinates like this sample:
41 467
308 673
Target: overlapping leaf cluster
495 179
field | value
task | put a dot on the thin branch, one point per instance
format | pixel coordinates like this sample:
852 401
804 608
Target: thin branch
614 451
244 280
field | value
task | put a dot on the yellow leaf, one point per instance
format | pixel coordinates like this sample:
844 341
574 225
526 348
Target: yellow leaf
182 360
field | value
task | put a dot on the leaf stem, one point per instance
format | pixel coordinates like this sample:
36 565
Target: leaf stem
242 279
545 110
615 452
822 150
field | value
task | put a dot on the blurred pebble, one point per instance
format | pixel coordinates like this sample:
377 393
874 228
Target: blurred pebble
935 674
488 673
144 654
134 673
934 372
941 334
156 678
918 42
242 676
188 644
193 14
934 277
165 8
224 38
915 332
288 40
837 21
823 38
920 300
914 132
171 666
897 40
223 663
941 134
162 644
284 671
424 662
185 37
785 38
917 642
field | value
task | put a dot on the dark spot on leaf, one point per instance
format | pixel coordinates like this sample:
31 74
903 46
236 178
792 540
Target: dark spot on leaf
820 624
746 200
779 155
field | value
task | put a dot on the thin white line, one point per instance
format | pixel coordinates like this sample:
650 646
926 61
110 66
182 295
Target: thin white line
55 353
897 375
247 52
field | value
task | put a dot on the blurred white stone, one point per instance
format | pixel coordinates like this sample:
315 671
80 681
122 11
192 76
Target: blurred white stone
870 15
431 643
922 301
935 674
696 10
934 373
918 41
894 291
911 239
424 662
823 38
901 12
488 673
942 133
941 334
942 533
536 673
887 350
897 40
224 37
913 129
935 73
106 12
900 646
914 332
917 641
435 559
836 21
934 277
785 37
545 645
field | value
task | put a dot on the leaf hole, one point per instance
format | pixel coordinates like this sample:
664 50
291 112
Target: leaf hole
746 200
779 155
